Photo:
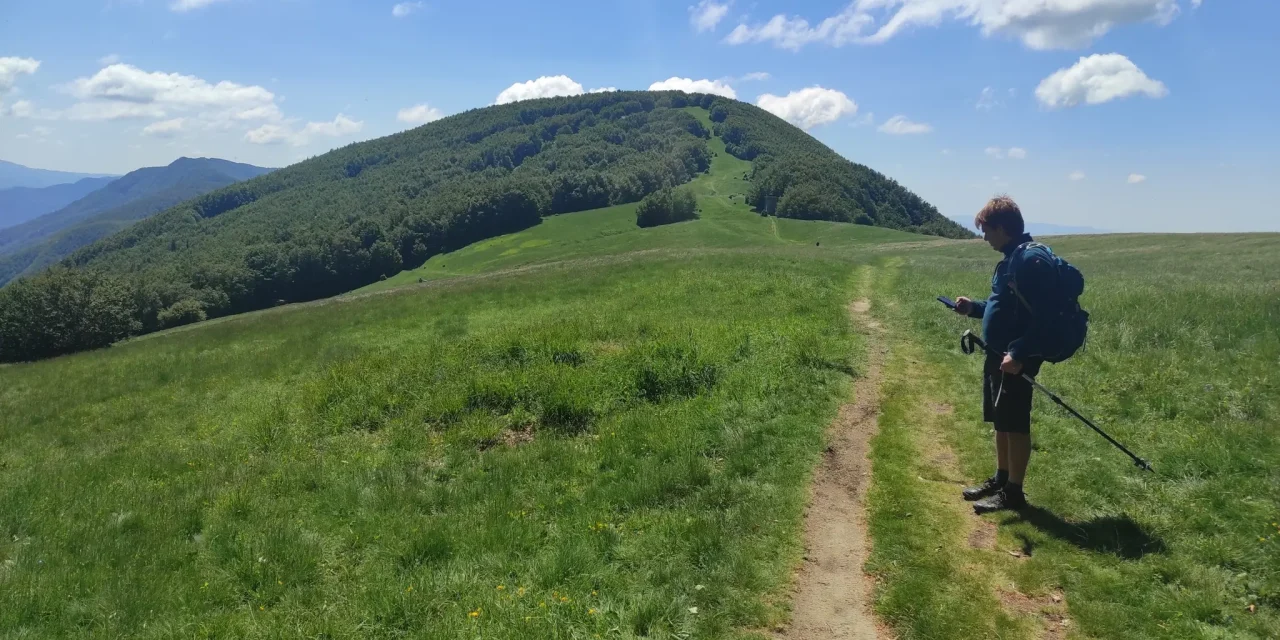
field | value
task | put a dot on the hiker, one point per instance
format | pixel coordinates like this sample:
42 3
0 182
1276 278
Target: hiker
1007 328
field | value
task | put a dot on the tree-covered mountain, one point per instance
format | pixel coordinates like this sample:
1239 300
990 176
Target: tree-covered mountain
36 244
13 174
368 210
20 204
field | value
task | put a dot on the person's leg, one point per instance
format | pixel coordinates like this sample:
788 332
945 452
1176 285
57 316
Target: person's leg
1013 431
993 484
1018 454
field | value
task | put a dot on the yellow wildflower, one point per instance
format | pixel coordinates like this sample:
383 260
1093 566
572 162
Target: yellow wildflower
475 614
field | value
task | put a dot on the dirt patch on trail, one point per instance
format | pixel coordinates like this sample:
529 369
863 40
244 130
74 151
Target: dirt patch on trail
1049 610
983 535
832 593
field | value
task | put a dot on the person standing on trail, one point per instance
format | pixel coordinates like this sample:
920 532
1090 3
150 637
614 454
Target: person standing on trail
1007 328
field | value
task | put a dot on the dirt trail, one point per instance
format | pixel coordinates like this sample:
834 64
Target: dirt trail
832 594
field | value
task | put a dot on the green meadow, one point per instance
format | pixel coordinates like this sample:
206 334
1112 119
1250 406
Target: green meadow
586 429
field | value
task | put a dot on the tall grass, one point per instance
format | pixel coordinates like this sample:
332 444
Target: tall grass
558 454
1181 367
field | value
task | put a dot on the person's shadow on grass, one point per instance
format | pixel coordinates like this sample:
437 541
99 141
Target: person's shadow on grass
1118 535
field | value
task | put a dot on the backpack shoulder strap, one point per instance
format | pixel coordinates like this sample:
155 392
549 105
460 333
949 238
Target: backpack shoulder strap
1015 263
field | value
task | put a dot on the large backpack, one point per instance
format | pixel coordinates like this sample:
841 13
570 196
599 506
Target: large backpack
1063 323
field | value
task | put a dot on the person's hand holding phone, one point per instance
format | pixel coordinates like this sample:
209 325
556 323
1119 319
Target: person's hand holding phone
963 306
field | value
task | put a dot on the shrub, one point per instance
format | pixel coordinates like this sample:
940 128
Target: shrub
666 206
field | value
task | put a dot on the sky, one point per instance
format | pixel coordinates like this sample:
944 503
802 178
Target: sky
1126 115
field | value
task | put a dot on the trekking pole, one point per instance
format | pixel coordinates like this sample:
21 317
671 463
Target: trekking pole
967 343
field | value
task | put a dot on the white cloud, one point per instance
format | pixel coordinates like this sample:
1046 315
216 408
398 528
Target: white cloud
808 108
689 85
794 33
164 128
109 59
707 14
757 75
1196 3
268 134
188 5
273 133
543 87
341 126
900 125
11 68
1014 153
94 111
987 100
1135 178
405 8
127 83
1097 79
603 90
22 136
268 112
863 121
945 152
1075 176
20 109
1039 24
419 114
41 130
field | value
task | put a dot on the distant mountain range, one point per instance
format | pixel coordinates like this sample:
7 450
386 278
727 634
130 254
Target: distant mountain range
20 204
16 175
35 244
1048 229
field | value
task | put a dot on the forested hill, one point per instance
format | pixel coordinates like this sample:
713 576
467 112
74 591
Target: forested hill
366 211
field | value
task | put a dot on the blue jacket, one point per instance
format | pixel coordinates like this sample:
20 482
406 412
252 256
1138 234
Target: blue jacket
1007 325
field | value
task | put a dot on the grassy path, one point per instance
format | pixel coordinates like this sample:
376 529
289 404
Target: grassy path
832 598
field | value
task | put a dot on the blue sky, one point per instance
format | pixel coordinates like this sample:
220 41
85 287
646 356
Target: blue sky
1130 115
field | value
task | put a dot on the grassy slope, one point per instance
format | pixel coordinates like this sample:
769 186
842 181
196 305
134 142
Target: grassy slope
1180 368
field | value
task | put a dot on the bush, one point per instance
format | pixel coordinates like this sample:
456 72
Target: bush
63 311
182 312
666 206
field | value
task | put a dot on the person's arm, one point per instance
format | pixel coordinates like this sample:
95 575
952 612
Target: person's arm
1034 277
971 308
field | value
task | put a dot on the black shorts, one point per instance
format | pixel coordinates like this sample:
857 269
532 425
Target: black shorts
1006 399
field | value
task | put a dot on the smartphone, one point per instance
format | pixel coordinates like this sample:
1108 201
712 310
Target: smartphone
951 304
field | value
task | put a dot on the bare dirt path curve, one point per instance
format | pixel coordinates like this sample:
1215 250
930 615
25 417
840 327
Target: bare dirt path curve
832 594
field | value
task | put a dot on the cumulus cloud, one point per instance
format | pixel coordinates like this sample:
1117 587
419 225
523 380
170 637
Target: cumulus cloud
268 134
164 128
757 75
1135 178
109 59
995 152
1044 24
419 114
1014 153
987 100
405 8
120 91
543 87
705 15
810 107
41 131
793 33
900 125
603 90
689 85
11 68
188 5
1095 79
1075 176
341 126
1017 153
274 133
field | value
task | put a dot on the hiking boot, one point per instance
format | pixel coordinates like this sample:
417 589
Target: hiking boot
1002 500
989 487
